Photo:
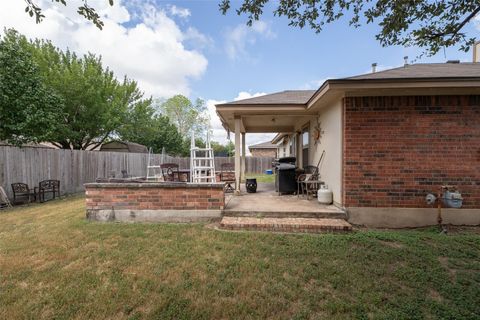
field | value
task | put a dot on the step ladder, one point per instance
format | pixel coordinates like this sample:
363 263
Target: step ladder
154 171
202 162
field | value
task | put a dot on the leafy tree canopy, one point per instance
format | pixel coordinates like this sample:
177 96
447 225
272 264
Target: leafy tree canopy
430 25
94 103
28 109
189 117
156 131
221 150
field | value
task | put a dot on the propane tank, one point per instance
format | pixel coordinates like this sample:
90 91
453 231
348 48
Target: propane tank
325 195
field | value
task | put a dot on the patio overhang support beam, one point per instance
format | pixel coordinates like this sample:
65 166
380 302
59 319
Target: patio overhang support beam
244 151
269 129
238 126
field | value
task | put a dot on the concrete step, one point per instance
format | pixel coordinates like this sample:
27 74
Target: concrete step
325 214
305 225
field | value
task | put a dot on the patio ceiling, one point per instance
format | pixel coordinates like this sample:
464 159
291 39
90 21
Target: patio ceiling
262 118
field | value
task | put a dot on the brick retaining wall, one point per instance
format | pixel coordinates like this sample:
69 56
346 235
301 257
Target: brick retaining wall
154 196
397 149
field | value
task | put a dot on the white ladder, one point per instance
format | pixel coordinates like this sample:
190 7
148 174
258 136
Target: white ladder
202 162
153 171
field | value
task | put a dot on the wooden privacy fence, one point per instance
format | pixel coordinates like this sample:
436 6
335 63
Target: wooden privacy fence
75 167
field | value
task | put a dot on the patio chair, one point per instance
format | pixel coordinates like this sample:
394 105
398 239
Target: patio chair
227 175
48 186
22 190
170 171
309 182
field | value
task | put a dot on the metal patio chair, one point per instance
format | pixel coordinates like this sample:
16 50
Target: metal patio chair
22 190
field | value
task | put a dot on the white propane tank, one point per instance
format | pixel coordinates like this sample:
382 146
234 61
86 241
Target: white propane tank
325 195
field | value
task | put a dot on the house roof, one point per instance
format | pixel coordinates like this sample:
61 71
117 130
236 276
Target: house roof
278 112
283 97
279 137
425 71
263 145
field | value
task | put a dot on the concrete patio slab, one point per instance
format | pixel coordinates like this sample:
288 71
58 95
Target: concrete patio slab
267 203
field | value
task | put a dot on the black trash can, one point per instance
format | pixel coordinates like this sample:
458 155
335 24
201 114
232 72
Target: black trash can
285 180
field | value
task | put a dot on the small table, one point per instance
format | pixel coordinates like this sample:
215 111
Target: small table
311 186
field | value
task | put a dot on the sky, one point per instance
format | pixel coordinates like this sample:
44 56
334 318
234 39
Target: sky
190 48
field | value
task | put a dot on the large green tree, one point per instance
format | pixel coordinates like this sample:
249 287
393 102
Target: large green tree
189 117
28 109
430 25
221 150
156 131
95 103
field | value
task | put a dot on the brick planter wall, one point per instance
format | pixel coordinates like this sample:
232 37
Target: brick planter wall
135 198
398 149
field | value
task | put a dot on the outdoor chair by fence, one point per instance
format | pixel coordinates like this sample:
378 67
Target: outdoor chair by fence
48 186
23 191
227 175
170 172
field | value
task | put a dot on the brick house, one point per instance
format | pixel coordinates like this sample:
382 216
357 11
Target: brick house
389 137
264 149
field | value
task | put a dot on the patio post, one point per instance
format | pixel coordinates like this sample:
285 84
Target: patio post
244 150
299 151
238 124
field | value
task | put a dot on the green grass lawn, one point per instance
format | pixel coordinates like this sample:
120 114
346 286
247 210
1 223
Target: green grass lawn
56 265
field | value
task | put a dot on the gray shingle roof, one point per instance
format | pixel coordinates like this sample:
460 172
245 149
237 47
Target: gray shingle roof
433 71
284 97
263 145
425 70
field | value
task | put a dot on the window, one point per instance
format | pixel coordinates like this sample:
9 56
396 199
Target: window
305 144
292 145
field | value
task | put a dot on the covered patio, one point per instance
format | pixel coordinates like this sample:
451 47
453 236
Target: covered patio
273 113
284 113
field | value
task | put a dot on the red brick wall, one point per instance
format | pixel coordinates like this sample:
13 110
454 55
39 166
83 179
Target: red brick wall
104 196
397 149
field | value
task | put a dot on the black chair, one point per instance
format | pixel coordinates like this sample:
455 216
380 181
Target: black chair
227 175
22 190
48 186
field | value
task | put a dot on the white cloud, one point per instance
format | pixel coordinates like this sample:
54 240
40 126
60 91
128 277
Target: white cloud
247 95
237 39
178 11
219 134
150 48
198 39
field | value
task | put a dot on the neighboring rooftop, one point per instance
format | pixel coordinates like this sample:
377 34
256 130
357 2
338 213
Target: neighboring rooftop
284 97
263 145
425 71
